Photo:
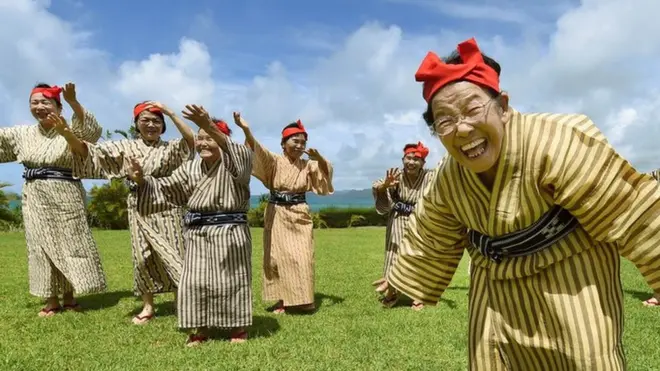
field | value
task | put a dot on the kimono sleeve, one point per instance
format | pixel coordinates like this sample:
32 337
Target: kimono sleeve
164 193
264 164
8 145
430 250
382 198
86 128
104 160
612 201
177 153
238 161
320 182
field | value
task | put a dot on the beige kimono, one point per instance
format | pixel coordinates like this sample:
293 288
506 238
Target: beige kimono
288 230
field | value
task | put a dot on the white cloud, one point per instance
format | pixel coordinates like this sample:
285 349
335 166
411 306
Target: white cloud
359 100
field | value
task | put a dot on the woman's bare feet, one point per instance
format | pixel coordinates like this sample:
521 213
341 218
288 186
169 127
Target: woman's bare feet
52 307
197 338
239 336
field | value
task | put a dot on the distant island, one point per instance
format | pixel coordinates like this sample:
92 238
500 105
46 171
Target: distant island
340 199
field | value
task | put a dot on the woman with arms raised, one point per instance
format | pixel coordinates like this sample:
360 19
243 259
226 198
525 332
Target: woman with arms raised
62 256
396 196
156 235
288 231
216 283
545 206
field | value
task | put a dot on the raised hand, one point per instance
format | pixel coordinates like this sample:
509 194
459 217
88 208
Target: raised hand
134 171
69 93
163 108
313 154
238 120
392 177
58 123
198 115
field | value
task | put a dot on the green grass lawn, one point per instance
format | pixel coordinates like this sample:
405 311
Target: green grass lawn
349 332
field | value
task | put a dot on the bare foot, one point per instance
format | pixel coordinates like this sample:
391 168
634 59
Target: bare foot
144 317
652 302
417 306
239 336
52 307
196 340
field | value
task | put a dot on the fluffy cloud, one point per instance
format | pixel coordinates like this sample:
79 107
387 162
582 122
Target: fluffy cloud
359 100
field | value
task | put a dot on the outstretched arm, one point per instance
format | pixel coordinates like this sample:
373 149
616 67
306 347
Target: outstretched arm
83 122
77 146
186 132
612 201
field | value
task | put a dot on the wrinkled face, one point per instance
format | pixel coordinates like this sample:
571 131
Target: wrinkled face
150 126
207 148
412 164
41 106
295 145
470 124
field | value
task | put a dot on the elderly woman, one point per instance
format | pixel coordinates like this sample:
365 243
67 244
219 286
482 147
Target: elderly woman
396 196
288 264
62 255
545 206
215 289
156 235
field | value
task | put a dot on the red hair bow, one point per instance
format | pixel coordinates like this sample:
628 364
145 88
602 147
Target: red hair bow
223 127
299 129
419 150
434 73
50 93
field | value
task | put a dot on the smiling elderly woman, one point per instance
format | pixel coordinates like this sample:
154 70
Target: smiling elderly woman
62 255
545 206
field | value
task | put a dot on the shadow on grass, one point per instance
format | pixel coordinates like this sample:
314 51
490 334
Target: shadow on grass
639 295
262 327
102 301
320 299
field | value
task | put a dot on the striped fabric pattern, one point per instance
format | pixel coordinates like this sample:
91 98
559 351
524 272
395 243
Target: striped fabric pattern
62 255
216 282
156 235
547 160
396 223
288 231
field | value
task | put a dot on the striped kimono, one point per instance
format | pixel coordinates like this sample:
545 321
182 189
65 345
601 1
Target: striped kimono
156 235
288 229
62 255
216 282
392 202
557 308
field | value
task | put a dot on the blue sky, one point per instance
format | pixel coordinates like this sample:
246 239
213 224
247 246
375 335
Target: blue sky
345 68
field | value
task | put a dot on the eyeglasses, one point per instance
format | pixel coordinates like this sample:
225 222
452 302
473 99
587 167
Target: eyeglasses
445 125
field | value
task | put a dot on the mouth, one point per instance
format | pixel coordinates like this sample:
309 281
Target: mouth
42 115
475 148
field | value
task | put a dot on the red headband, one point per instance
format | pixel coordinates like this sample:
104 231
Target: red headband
50 93
435 74
300 129
223 127
142 107
419 150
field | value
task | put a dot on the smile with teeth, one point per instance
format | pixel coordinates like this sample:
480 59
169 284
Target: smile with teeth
475 148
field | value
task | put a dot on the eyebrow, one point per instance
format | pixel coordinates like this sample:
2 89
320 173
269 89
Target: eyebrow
442 105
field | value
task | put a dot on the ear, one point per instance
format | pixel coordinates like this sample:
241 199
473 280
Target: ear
503 100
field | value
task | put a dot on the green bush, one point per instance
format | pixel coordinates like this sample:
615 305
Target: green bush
107 207
331 217
10 219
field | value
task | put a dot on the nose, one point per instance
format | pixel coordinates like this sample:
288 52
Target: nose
463 129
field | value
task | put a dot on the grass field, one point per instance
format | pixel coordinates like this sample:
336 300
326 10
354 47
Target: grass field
349 332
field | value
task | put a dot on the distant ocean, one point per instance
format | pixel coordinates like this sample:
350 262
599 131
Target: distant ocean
341 199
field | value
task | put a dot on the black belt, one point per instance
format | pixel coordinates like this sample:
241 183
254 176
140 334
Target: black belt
285 198
213 218
49 173
550 228
403 208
